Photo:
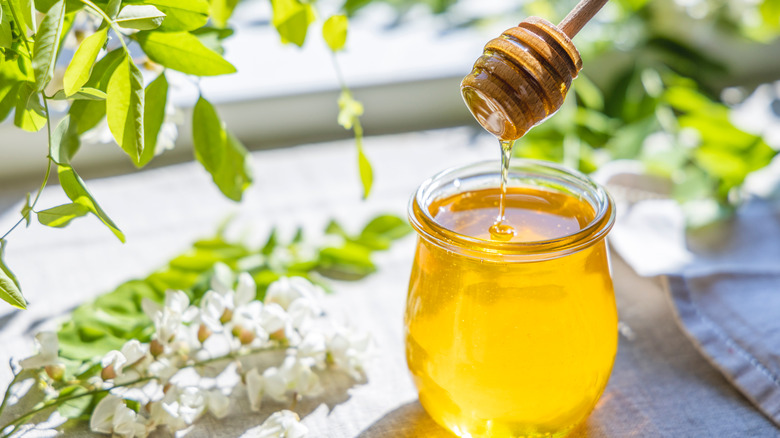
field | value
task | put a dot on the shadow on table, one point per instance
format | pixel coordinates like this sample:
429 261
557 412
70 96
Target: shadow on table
411 420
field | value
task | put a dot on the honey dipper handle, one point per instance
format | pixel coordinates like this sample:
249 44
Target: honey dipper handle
581 14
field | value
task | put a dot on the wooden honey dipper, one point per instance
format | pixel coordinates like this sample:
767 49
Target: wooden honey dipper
523 75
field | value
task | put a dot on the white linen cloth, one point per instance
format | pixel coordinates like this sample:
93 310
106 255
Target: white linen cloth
660 385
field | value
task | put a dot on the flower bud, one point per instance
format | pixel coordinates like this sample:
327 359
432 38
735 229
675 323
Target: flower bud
246 336
278 335
108 373
56 372
156 348
227 315
203 333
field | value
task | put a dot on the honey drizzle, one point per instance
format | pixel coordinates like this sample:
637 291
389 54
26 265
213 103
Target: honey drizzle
500 230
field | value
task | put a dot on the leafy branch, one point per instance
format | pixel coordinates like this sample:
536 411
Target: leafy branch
105 83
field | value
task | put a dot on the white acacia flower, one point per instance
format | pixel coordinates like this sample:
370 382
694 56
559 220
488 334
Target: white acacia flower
250 317
134 351
179 303
112 416
192 404
246 290
282 424
286 290
223 278
294 375
274 318
212 307
348 350
115 361
48 349
163 369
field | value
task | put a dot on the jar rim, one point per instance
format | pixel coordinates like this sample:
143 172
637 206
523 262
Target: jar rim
428 228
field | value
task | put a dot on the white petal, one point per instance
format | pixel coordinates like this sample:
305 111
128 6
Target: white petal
254 388
222 281
218 403
48 349
116 359
151 308
134 351
274 317
102 420
282 424
275 383
177 301
49 343
246 291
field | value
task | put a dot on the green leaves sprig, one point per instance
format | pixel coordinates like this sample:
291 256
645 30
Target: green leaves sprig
102 81
116 317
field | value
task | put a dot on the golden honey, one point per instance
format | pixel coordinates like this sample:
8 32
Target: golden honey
510 338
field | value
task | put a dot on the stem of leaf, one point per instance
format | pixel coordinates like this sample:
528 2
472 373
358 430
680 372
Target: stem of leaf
59 401
45 177
109 21
8 393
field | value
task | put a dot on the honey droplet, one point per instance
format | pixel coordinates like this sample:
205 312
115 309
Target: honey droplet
502 232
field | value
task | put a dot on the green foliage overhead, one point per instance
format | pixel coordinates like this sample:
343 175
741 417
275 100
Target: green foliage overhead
103 81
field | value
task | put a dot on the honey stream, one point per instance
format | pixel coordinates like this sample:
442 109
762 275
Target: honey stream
500 230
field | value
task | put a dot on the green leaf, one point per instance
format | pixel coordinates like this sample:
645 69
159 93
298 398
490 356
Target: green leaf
10 291
87 114
11 75
74 187
61 215
30 114
85 93
125 108
181 15
212 37
183 51
65 142
291 18
27 210
220 153
80 67
6 36
366 174
47 41
334 31
388 225
155 99
588 92
234 174
208 135
141 17
270 244
75 407
27 9
221 10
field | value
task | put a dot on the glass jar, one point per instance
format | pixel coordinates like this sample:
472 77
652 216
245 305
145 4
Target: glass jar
511 339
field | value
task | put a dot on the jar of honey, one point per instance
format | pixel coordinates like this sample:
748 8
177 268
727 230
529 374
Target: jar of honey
511 338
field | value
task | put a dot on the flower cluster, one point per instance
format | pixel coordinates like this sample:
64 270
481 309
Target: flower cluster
275 348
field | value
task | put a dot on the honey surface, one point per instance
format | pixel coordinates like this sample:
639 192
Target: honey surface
510 349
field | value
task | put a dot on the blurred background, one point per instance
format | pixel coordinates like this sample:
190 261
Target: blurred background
686 90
